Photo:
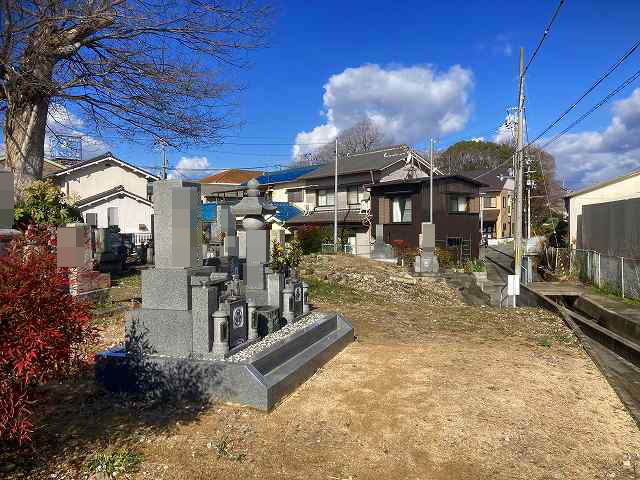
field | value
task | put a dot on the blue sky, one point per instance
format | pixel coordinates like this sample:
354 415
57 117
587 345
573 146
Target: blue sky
447 69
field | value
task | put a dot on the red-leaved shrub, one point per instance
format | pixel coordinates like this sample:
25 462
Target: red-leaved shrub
43 331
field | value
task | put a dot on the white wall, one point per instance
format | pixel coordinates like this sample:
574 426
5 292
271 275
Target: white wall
131 213
98 178
621 190
279 193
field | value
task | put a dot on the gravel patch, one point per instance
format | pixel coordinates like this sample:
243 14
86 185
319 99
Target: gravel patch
276 337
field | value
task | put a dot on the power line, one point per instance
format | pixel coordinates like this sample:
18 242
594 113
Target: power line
544 36
620 87
633 48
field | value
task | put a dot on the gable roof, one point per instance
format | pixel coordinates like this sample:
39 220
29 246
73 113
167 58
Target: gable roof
112 192
232 176
605 183
108 156
287 175
490 177
363 162
436 178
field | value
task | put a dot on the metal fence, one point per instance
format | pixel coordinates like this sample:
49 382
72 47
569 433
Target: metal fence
616 275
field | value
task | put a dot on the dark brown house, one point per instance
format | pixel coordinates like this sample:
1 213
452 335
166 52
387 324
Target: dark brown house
402 205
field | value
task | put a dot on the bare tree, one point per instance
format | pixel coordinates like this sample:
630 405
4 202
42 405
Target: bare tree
361 137
144 69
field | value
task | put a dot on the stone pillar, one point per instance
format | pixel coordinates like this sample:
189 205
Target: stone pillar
305 297
177 241
221 333
275 284
204 302
287 304
253 320
7 233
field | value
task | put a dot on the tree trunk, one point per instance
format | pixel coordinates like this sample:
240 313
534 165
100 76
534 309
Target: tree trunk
24 131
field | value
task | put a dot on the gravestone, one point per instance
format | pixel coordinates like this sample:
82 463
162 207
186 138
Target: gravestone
298 299
381 250
238 327
7 233
427 262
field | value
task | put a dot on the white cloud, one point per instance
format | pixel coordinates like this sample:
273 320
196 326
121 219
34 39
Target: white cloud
506 131
185 166
406 103
477 139
589 157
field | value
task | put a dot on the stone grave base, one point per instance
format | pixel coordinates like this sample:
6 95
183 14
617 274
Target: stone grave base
99 295
261 381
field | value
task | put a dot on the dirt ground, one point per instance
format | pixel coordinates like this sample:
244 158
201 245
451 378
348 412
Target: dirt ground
430 389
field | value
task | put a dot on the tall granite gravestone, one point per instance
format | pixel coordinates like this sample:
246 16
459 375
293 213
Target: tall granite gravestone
381 250
252 208
178 298
7 233
227 223
427 262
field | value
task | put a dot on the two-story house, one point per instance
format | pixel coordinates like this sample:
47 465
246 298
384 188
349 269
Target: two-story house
496 201
117 191
392 163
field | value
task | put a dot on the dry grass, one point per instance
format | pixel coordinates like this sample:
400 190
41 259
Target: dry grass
431 389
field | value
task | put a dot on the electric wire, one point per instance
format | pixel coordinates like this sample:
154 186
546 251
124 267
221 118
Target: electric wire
545 34
629 52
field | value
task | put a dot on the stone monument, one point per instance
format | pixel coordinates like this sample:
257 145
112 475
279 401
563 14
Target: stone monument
7 232
381 250
253 207
200 329
427 262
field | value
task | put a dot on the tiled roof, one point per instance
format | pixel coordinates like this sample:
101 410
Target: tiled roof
362 162
326 216
284 175
99 158
107 193
233 176
490 177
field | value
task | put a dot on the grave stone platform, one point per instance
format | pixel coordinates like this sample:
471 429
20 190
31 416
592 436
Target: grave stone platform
260 382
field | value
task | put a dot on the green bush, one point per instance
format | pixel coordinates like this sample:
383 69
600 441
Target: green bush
43 203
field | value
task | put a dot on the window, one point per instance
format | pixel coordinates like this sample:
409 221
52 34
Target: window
454 242
326 198
402 210
112 216
458 204
355 194
295 195
504 201
489 202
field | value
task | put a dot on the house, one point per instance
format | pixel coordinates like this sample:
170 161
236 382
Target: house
285 185
496 201
225 184
605 216
394 163
49 166
117 191
402 205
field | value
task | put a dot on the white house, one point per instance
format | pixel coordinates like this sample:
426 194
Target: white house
624 187
115 190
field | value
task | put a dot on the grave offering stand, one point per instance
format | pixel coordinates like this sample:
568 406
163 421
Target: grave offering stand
216 331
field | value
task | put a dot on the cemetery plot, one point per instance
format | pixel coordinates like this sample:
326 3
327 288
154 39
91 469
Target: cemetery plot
432 388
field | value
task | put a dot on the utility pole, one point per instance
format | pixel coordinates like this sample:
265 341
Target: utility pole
165 165
519 161
335 204
431 181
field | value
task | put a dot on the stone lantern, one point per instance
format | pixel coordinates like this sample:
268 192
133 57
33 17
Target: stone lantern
253 207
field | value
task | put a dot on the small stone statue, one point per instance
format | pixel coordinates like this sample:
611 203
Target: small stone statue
233 286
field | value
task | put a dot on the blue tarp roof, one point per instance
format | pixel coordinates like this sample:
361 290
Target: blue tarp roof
209 212
284 175
284 211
